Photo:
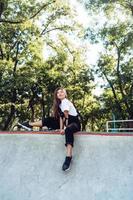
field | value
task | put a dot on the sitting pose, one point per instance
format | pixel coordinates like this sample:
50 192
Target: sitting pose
65 118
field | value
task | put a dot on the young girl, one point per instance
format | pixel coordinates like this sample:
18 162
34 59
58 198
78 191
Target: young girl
65 118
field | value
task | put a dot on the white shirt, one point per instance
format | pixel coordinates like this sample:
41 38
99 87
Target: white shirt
68 105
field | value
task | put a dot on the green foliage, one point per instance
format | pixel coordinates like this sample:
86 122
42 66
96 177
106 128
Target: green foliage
115 64
28 78
108 6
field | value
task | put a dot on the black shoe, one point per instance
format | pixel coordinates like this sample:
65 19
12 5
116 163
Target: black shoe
66 164
25 125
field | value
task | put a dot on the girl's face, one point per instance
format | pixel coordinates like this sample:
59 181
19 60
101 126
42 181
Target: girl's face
61 94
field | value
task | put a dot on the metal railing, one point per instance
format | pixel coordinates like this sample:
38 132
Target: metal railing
119 125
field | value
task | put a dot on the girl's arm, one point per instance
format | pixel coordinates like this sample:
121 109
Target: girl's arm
63 120
66 117
61 124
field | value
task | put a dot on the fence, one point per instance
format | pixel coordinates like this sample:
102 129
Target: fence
119 126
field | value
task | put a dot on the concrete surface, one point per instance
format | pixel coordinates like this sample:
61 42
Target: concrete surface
30 168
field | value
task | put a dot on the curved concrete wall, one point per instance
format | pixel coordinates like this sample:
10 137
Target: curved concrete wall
30 168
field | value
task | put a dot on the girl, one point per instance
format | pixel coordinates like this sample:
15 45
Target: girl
65 118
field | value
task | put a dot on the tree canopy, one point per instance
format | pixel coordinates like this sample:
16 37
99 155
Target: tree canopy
43 46
38 54
115 63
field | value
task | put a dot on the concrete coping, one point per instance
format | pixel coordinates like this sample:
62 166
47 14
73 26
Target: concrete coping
77 133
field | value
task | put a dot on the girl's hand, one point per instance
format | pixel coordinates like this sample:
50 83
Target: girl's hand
62 131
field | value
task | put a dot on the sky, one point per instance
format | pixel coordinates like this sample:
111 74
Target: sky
83 18
93 50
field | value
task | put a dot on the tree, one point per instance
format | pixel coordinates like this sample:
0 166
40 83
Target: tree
27 78
115 62
21 44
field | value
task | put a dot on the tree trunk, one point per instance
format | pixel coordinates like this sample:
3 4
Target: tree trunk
120 83
43 106
32 112
14 93
115 96
9 119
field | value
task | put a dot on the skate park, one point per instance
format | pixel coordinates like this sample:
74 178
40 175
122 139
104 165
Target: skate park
86 48
30 166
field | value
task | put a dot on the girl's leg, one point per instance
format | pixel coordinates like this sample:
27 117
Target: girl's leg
50 122
69 150
69 131
36 124
69 136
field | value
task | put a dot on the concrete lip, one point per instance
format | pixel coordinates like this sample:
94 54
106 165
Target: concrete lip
78 133
30 167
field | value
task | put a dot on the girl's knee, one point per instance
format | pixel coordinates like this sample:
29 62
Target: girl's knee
68 130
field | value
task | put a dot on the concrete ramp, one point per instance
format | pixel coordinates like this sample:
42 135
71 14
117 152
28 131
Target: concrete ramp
30 168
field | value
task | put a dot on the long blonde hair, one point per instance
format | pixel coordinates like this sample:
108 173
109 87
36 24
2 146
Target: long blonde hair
57 102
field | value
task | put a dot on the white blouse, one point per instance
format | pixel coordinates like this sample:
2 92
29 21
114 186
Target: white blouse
68 105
